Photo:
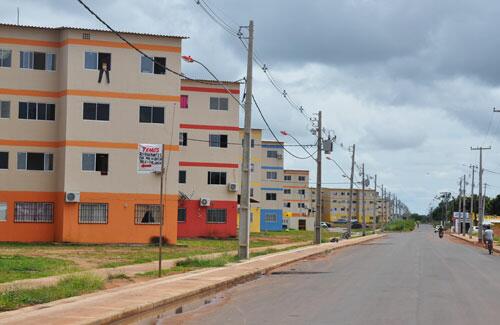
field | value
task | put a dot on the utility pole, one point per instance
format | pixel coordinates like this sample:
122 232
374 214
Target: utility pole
471 218
363 193
480 198
162 209
375 199
382 211
464 201
351 190
244 231
317 224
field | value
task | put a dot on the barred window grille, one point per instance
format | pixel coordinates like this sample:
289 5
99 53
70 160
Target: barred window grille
271 218
93 213
181 215
38 212
216 216
147 214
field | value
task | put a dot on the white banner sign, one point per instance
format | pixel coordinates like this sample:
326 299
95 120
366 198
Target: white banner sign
149 158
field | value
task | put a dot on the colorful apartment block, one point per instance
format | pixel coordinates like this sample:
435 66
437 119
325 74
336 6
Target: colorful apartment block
335 204
255 178
271 212
209 159
297 200
75 105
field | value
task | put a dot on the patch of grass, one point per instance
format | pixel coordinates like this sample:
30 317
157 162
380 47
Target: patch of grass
265 252
400 225
119 276
18 267
202 263
70 286
170 271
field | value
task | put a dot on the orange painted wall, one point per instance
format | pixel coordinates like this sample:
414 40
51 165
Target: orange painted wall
26 232
121 227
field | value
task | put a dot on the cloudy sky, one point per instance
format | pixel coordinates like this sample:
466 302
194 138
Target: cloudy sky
411 83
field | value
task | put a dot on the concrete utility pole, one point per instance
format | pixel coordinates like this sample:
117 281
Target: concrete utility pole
480 198
162 209
459 207
464 202
351 189
375 199
244 231
363 193
471 218
382 211
317 224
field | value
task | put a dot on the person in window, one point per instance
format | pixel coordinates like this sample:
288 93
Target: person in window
104 69
148 217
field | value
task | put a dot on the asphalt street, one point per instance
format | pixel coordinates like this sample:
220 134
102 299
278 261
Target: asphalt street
412 278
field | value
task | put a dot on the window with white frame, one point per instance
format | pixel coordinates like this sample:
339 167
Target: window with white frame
5 58
271 175
35 161
36 212
155 66
183 139
302 178
272 154
287 191
4 109
147 214
216 216
148 114
181 215
287 205
301 205
288 177
217 178
37 60
96 60
217 140
271 196
3 211
301 192
182 177
95 162
96 111
4 160
219 103
37 111
271 218
93 213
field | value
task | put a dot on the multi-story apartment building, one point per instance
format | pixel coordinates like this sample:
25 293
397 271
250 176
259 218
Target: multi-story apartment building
255 177
271 212
209 159
297 200
335 204
75 104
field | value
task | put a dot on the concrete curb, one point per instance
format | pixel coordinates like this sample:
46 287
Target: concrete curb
128 270
128 301
474 241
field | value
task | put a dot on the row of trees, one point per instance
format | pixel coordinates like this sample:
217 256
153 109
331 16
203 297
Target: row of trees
492 207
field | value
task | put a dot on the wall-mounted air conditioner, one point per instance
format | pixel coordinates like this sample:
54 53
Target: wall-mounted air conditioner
72 197
204 202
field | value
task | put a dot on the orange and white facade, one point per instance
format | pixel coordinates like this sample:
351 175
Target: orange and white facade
209 159
64 132
296 200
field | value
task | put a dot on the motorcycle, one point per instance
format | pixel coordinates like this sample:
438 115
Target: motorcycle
441 233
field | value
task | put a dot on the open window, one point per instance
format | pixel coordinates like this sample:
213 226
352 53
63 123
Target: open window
95 162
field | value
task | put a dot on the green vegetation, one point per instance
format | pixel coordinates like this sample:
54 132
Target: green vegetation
70 286
213 262
18 267
400 225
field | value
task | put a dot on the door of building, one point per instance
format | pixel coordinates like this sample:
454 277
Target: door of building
302 224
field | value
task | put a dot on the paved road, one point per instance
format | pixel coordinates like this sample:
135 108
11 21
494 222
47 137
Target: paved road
413 278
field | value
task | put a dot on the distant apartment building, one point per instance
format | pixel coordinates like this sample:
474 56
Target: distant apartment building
255 177
75 104
297 200
209 159
335 204
271 212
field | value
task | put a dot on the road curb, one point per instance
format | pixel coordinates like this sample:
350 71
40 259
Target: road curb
474 241
125 302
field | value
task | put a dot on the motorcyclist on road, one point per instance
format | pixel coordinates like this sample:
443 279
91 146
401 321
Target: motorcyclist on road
441 231
488 237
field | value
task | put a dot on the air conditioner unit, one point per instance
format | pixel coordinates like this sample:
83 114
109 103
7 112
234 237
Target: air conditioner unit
232 187
71 197
279 156
204 202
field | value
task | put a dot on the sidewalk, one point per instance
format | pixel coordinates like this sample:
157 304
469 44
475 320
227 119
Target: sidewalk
129 270
473 241
123 302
